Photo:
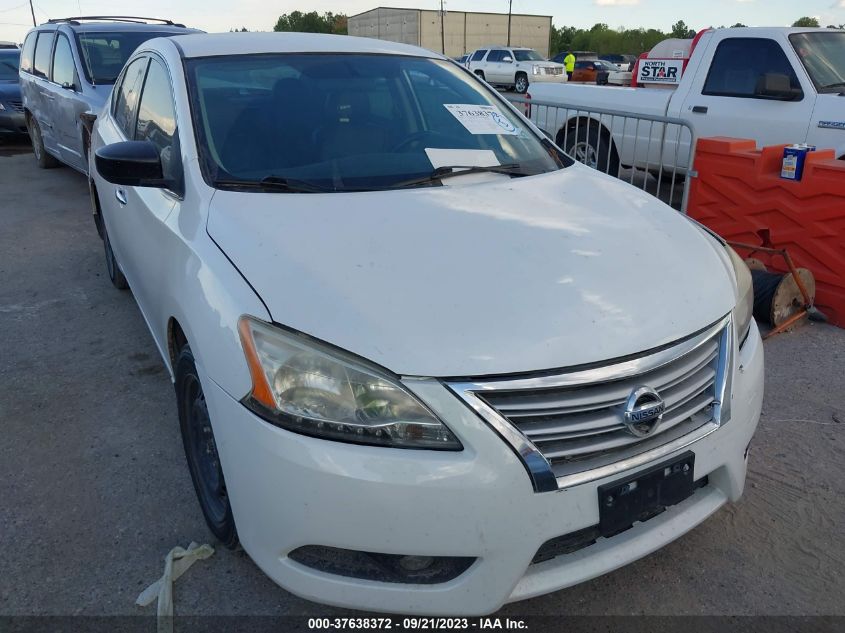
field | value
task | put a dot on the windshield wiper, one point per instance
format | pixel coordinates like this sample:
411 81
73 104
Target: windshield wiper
838 84
449 171
273 184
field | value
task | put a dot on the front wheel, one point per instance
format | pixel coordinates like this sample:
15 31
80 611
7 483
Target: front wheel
201 451
521 84
594 149
116 275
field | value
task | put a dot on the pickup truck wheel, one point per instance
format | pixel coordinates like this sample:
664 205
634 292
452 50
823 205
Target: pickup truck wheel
521 85
44 160
201 451
594 149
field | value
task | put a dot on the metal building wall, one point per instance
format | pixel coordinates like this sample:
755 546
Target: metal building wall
463 31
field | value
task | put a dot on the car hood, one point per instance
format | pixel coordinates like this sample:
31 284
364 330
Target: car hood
516 275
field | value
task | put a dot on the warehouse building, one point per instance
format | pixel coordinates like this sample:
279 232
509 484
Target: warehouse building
462 32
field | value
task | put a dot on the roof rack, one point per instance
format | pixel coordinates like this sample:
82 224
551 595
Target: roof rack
114 18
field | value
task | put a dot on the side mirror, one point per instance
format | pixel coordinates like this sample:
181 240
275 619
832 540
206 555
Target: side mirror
507 59
131 163
777 86
68 86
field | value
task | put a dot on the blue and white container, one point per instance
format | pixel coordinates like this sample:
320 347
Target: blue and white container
794 157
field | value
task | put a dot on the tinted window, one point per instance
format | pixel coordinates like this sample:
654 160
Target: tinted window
43 48
63 69
527 55
583 65
27 52
127 98
157 119
9 65
740 66
347 122
496 55
478 55
823 55
104 54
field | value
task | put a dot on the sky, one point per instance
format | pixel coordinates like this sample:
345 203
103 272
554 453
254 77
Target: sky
222 15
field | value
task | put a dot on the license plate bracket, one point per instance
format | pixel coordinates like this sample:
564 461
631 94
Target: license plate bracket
641 496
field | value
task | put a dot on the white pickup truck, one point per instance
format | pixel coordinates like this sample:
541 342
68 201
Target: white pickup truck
774 85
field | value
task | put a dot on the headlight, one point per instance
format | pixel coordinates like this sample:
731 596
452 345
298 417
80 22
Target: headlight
745 292
2 107
308 388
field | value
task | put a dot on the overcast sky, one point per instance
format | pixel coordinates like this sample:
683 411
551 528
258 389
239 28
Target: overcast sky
221 15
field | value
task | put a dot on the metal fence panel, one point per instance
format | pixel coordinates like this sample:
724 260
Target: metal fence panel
652 152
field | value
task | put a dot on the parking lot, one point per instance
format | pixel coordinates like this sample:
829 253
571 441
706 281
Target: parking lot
95 489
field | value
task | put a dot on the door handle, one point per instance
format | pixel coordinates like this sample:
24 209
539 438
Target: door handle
47 95
120 194
699 109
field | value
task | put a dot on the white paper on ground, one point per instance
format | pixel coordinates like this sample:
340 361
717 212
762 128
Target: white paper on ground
482 119
176 563
463 157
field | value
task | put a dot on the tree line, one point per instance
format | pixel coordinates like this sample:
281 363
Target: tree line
600 38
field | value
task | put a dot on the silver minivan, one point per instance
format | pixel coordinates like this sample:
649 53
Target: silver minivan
67 70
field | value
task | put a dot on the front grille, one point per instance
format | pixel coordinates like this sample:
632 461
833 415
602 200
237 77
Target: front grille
574 421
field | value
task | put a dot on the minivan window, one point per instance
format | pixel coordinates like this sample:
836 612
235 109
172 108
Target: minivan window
823 55
43 48
27 52
741 64
127 97
349 122
104 54
64 73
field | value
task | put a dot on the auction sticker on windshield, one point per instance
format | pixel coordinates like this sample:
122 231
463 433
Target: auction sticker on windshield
482 119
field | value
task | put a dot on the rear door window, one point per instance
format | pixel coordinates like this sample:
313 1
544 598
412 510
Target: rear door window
126 105
43 48
28 52
64 72
478 55
496 55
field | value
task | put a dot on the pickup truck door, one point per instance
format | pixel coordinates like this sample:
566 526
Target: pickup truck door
748 87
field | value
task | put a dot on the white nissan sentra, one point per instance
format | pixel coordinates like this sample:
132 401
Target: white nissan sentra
423 362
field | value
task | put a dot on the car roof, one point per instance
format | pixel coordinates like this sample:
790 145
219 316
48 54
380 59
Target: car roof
211 44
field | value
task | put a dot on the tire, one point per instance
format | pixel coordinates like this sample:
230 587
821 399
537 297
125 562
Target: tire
480 74
116 276
521 83
44 160
201 451
95 209
593 148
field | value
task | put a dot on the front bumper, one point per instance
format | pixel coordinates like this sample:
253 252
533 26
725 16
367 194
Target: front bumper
289 491
546 79
12 121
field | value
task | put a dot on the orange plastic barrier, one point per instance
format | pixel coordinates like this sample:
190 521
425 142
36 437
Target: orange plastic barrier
740 195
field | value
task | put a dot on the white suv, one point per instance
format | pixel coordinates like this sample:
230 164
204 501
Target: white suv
424 362
514 68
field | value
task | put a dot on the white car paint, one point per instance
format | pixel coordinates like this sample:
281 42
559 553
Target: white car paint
769 122
505 73
499 277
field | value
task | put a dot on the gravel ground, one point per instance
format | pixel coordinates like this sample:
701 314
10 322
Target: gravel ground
95 490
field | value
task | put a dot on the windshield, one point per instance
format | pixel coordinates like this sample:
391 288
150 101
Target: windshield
351 122
9 66
104 54
527 56
823 55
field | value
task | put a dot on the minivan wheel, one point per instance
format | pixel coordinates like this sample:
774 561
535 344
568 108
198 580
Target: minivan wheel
521 85
201 451
44 160
116 276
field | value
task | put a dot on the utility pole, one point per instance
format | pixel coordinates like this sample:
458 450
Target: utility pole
442 28
510 6
33 13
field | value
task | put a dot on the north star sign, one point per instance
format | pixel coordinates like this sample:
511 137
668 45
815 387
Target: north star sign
660 71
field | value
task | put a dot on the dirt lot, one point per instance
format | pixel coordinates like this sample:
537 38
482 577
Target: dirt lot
95 490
